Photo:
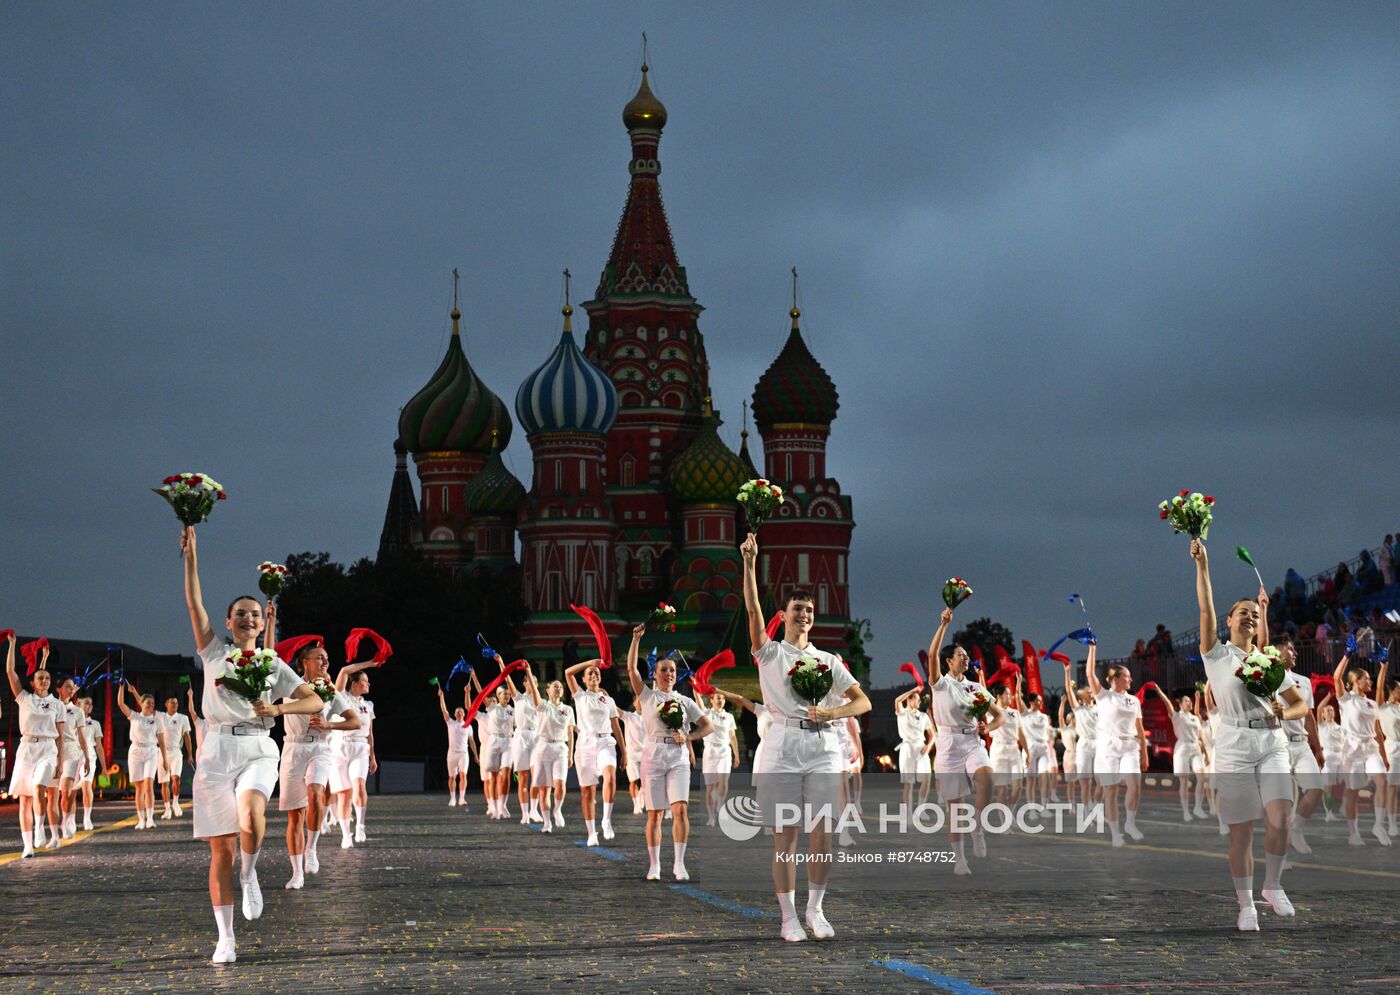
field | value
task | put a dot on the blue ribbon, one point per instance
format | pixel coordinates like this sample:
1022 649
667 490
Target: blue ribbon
486 651
461 667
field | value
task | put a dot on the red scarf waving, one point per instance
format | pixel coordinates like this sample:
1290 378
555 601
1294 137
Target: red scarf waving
287 649
700 680
382 649
912 671
600 635
1141 693
31 654
490 688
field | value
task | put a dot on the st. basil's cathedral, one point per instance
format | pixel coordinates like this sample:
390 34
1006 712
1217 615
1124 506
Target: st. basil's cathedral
632 497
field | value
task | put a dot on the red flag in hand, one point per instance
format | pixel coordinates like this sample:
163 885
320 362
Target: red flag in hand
912 671
490 688
31 653
382 649
1141 693
700 680
1320 681
600 634
287 649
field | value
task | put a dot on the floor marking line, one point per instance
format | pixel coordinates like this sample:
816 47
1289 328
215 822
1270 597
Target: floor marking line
957 986
722 903
602 851
78 837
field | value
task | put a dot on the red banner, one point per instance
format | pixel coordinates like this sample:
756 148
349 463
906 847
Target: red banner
1032 664
600 635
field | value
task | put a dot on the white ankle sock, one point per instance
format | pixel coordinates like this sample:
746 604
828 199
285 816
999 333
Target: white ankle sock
1352 824
654 855
680 852
311 839
223 915
1244 891
1273 870
298 864
815 893
591 827
360 816
958 851
607 812
787 902
28 839
250 864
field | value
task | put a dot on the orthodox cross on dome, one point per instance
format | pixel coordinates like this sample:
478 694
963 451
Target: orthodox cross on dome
794 288
455 277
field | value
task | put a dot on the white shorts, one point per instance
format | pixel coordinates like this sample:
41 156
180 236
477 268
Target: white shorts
91 768
1084 758
1007 761
522 749
36 763
634 765
1361 762
1304 764
1187 761
495 754
717 763
1250 769
549 762
909 755
228 766
170 765
665 781
303 764
458 761
592 755
351 764
1042 759
1393 777
141 762
73 763
959 756
1115 759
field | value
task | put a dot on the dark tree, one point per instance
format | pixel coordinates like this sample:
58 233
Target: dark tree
984 634
430 615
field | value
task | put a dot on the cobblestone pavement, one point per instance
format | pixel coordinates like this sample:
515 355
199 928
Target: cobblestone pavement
441 900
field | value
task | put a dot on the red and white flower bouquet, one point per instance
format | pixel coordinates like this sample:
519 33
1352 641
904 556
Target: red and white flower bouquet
192 495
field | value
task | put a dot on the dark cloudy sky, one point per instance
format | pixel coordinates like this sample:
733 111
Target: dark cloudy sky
1060 259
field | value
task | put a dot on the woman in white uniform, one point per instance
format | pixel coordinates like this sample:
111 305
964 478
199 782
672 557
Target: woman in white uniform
170 766
522 750
1069 737
1039 737
1304 749
634 733
237 765
848 745
1008 744
1250 754
92 733
1188 753
461 747
39 757
1362 761
1333 742
665 765
75 757
1388 717
961 760
915 742
595 745
356 759
147 741
308 754
497 726
1086 728
1120 754
553 750
721 755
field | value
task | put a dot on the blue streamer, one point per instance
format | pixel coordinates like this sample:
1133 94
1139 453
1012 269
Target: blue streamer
461 667
486 651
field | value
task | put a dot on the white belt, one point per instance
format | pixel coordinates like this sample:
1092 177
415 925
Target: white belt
1297 737
1267 722
549 739
303 739
959 730
666 738
808 724
29 738
243 730
600 735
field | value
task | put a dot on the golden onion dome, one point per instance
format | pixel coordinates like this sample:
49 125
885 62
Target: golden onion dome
644 110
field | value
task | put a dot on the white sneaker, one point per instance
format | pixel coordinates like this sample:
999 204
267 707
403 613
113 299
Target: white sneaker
28 852
636 808
1279 902
178 810
524 818
1224 829
548 827
313 863
962 869
359 834
1299 844
654 872
559 817
979 844
345 843
87 825
1380 834
224 953
54 842
1186 815
451 803
1327 815
252 898
1118 840
608 831
816 922
1248 921
679 872
296 883
711 820
1133 832
792 931
165 815
592 839
1199 813
845 838
1355 840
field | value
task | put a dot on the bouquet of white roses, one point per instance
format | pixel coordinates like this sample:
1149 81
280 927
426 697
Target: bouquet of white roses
1188 512
324 689
810 679
671 713
760 499
978 704
955 592
192 495
1262 672
250 673
662 618
271 578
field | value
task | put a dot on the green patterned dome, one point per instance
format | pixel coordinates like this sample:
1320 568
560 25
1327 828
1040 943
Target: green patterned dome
708 470
795 389
455 412
495 490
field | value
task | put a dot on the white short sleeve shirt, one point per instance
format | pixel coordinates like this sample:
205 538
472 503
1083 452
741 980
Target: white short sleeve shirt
776 658
224 707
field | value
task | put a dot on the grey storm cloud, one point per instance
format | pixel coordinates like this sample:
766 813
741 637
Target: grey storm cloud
1059 259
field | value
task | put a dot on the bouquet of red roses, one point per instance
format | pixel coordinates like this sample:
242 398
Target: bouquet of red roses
192 495
662 618
980 701
324 689
1262 672
811 679
1189 512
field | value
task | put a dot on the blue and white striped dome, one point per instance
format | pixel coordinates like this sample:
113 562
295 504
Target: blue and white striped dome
567 393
